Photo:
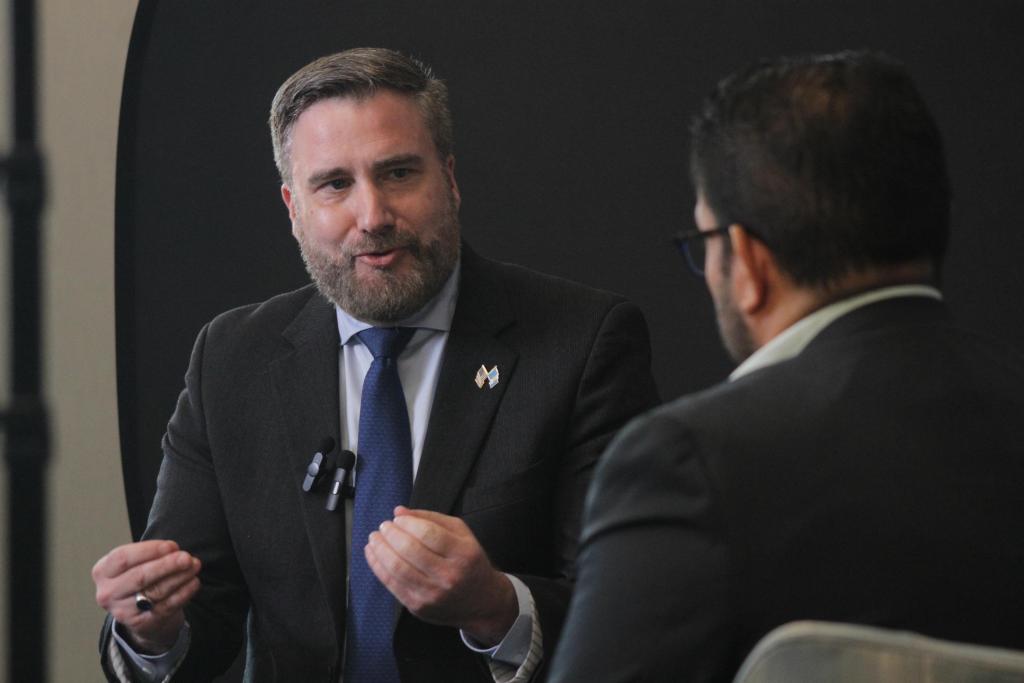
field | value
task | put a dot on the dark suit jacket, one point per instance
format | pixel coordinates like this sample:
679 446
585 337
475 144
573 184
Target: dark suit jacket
513 461
877 478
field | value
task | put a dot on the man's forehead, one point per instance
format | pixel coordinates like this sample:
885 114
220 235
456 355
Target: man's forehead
363 131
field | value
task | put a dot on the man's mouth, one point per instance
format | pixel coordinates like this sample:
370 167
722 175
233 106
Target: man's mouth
380 259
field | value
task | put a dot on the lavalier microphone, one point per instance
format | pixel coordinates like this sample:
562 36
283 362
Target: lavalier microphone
317 467
346 459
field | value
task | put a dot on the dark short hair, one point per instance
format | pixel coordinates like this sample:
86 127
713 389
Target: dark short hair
359 73
833 161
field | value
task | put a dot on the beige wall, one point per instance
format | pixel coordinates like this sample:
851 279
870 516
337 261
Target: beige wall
82 53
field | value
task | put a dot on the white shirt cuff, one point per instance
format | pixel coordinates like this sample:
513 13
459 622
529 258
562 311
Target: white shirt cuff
153 668
515 646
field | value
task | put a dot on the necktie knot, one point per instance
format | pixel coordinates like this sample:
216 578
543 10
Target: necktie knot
386 342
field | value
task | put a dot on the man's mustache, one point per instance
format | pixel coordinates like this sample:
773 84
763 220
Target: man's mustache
377 243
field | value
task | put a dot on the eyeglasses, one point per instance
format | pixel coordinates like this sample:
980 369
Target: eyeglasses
693 245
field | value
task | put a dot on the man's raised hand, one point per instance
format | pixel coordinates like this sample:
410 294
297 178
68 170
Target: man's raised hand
167 576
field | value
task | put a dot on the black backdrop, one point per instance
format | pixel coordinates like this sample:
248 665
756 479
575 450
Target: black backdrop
571 125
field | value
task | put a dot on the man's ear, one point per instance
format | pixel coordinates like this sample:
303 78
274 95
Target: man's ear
752 270
449 167
289 201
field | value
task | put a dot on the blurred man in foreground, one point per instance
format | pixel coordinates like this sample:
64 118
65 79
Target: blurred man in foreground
864 462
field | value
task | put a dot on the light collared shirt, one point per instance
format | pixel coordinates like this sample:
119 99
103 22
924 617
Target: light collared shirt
795 338
419 368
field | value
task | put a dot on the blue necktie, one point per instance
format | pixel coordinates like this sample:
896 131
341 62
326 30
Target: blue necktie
383 480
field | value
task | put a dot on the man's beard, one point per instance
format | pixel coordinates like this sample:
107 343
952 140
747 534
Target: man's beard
734 332
385 296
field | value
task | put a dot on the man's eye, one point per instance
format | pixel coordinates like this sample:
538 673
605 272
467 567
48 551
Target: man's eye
338 184
400 173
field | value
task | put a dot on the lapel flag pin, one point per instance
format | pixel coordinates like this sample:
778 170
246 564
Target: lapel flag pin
488 377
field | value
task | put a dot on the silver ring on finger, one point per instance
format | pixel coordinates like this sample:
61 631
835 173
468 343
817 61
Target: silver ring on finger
142 602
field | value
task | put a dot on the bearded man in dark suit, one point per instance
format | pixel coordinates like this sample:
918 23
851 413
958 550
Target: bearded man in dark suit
864 462
487 418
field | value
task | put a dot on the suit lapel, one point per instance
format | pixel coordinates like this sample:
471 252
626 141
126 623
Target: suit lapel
462 412
306 380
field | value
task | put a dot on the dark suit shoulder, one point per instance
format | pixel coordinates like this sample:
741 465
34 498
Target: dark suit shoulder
273 315
531 293
646 470
875 424
848 394
536 282
259 332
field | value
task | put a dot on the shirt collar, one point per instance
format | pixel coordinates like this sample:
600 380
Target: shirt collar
795 338
436 315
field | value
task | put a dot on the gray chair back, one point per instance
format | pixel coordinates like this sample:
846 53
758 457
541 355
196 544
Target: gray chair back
813 651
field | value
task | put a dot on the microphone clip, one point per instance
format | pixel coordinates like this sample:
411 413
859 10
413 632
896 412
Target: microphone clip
321 463
317 467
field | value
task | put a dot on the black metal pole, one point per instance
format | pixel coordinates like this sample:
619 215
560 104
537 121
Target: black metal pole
25 421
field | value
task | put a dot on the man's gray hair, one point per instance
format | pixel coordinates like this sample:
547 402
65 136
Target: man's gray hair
359 73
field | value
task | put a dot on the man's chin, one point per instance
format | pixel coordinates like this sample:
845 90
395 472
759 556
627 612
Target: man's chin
381 295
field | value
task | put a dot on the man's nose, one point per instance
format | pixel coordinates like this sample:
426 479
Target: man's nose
373 210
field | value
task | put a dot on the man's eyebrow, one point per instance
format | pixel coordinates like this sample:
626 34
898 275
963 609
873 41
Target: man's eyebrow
398 160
